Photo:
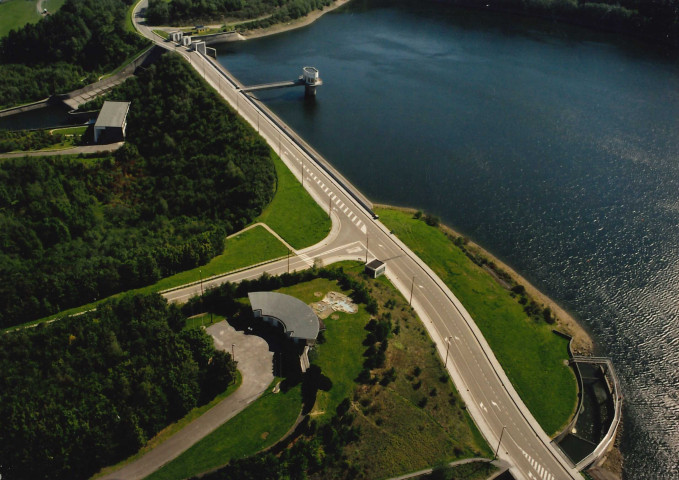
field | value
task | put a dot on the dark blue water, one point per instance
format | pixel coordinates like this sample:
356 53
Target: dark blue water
554 147
46 117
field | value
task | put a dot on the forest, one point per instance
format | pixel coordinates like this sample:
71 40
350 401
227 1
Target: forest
66 50
73 230
183 12
90 390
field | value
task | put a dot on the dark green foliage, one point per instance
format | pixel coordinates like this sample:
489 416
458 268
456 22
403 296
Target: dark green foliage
88 33
21 84
87 391
82 36
74 230
388 377
432 220
28 140
182 12
519 289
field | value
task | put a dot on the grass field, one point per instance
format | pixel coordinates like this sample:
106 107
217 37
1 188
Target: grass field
392 418
530 353
248 248
261 424
15 14
341 357
293 214
171 429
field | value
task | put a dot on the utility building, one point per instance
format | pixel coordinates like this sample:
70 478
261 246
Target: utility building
111 122
375 268
297 319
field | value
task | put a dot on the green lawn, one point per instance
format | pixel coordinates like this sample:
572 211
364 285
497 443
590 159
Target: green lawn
171 429
530 353
341 357
70 130
258 426
53 5
15 14
293 214
248 248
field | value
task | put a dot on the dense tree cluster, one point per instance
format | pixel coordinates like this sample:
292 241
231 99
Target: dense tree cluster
182 12
30 140
22 84
87 391
65 50
73 230
656 19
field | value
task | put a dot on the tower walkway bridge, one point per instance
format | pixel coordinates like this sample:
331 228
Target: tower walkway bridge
309 79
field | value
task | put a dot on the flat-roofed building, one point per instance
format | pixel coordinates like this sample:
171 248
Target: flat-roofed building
375 268
111 123
298 320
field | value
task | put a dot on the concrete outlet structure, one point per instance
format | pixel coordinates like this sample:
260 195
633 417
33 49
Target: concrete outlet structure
111 123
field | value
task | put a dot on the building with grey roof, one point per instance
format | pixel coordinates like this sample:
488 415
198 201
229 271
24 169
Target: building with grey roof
296 317
111 123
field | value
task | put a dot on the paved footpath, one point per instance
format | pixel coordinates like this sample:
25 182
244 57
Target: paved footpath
85 149
255 363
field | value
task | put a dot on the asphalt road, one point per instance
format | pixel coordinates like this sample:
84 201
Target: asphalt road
491 400
255 362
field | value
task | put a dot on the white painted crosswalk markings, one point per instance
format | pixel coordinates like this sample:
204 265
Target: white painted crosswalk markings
539 469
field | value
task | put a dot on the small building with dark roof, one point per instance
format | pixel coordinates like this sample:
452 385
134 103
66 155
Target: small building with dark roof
375 268
111 123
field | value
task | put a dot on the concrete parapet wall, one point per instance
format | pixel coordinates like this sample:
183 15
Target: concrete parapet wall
24 108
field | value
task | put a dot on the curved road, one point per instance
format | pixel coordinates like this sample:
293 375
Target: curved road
256 368
491 399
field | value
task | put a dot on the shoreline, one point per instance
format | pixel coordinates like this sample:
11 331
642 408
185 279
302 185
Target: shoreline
582 344
310 18
611 465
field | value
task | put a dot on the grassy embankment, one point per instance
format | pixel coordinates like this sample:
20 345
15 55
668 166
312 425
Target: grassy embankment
532 356
293 214
17 13
392 417
258 426
419 407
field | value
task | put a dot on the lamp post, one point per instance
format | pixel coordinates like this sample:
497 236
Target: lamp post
233 354
448 339
288 260
412 287
499 442
200 272
367 246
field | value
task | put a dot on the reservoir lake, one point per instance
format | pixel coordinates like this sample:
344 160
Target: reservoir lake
554 147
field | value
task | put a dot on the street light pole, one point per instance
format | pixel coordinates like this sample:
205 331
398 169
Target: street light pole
412 287
233 355
288 260
200 272
448 339
367 247
499 442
